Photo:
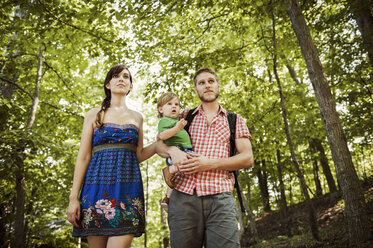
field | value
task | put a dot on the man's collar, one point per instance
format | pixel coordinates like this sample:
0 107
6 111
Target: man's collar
200 110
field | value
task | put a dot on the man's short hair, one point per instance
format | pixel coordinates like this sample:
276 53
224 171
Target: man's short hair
205 69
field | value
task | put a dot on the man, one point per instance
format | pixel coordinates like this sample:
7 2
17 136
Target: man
202 210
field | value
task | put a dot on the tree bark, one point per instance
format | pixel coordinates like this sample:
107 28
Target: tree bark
28 212
362 11
315 169
241 221
293 74
35 100
284 207
318 145
19 228
250 215
7 88
311 210
6 91
146 201
355 207
165 240
325 165
263 185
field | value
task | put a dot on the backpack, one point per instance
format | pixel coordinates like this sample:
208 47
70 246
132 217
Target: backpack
232 117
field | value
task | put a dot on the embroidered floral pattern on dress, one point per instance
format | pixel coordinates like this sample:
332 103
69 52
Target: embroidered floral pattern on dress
107 213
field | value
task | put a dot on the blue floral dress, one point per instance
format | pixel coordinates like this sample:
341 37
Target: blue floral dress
112 196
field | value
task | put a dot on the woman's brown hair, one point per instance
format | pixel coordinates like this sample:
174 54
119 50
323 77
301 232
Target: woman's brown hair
106 102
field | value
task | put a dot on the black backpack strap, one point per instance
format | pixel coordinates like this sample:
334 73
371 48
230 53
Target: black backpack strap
189 118
232 119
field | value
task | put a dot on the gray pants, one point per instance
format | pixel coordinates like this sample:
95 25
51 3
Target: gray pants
206 220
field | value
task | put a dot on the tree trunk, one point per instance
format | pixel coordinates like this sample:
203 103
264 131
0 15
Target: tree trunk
241 221
362 10
250 215
284 207
263 185
318 145
35 100
311 210
165 240
28 212
19 228
6 91
315 169
325 165
146 201
356 213
293 74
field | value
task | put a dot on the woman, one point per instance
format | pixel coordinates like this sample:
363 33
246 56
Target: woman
110 208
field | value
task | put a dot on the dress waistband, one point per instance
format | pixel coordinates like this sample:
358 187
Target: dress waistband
115 145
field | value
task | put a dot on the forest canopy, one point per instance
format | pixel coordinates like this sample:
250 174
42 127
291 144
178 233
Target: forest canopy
55 54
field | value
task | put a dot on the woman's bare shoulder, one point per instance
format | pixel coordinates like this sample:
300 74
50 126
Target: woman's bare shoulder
91 114
137 117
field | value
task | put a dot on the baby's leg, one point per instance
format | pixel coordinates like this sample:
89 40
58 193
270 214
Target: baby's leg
171 167
169 192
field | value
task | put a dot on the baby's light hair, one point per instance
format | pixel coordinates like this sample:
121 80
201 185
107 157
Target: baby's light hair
163 99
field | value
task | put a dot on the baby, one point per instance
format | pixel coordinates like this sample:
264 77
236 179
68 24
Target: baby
171 131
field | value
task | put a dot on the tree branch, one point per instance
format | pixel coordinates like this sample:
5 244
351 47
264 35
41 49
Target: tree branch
267 112
32 97
19 87
62 110
208 24
264 37
59 76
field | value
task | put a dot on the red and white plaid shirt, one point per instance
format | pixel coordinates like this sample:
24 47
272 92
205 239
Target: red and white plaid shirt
212 142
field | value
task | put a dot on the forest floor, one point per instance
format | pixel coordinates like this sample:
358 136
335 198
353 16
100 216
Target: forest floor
275 232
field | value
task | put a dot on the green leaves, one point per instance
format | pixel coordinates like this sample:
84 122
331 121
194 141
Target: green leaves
166 42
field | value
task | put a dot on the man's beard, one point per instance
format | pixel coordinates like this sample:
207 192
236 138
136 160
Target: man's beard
208 100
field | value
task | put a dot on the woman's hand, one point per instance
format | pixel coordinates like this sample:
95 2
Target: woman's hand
73 212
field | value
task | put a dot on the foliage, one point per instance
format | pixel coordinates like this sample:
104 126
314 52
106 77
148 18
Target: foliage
166 42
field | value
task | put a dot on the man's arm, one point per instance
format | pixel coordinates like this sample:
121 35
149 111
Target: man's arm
244 159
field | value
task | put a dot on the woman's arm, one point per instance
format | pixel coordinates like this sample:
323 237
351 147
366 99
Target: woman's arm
82 161
143 153
172 152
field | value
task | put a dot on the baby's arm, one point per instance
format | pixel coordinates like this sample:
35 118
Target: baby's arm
166 134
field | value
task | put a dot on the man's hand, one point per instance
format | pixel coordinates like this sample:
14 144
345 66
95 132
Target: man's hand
195 163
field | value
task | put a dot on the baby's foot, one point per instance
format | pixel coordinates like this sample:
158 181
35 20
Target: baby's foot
173 169
164 203
168 177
